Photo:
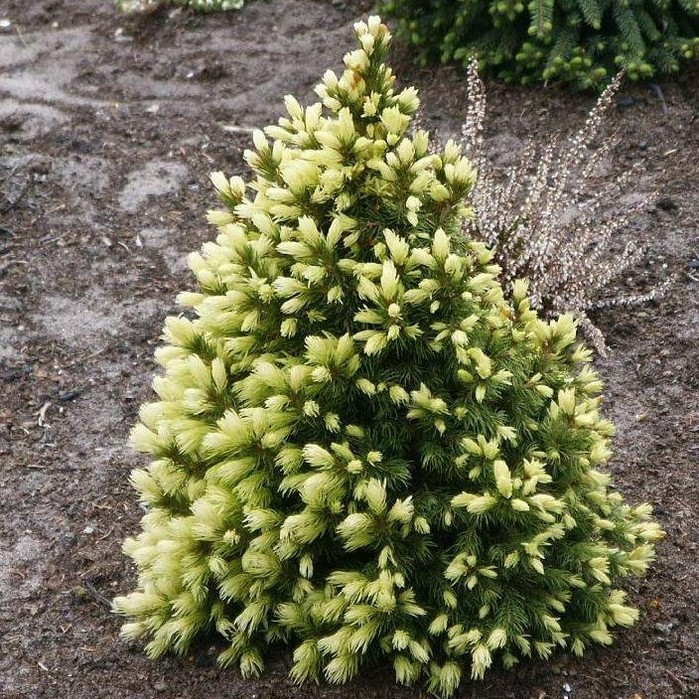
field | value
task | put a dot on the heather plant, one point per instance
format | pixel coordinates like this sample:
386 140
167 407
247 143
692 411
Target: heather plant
584 42
548 220
360 448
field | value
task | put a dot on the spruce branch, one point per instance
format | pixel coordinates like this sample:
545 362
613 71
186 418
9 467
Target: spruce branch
582 42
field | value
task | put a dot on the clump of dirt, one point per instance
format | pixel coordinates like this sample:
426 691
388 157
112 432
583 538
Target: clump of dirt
109 127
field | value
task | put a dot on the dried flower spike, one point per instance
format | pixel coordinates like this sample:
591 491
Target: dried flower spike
544 218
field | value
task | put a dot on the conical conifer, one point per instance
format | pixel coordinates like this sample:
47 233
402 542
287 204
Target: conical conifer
584 42
360 448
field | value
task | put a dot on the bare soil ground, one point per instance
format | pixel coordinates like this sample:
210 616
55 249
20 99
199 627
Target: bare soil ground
108 129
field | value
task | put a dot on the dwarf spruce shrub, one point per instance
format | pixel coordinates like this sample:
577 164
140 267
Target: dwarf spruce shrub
360 449
578 41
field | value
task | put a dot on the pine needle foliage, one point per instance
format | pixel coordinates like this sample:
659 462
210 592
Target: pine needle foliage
584 42
547 219
360 448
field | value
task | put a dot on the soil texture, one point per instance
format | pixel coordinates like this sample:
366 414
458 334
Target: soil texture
109 127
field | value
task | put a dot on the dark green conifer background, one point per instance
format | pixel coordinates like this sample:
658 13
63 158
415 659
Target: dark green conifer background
584 42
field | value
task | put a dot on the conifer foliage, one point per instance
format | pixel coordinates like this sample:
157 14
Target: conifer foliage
360 448
584 42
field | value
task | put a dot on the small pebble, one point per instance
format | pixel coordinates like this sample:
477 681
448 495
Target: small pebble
120 37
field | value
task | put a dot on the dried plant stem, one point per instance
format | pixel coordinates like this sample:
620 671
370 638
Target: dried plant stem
545 220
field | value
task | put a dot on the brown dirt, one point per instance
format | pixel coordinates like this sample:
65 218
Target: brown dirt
108 128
